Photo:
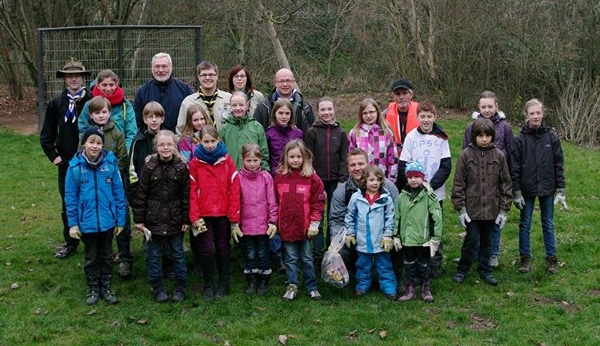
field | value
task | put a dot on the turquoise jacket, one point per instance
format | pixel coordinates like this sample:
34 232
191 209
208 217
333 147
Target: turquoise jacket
370 223
122 115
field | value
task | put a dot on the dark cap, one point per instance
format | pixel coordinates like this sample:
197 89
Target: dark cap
92 130
73 66
402 83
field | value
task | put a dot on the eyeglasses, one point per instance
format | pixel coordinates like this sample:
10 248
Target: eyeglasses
285 81
240 76
369 112
207 75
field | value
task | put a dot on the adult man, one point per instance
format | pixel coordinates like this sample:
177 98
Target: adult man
214 101
285 86
59 137
402 113
162 88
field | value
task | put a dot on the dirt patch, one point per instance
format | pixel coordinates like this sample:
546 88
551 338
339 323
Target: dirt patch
563 304
480 323
595 292
19 116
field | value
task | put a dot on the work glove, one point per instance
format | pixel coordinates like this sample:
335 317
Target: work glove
74 232
561 198
147 234
350 240
387 243
433 246
463 217
397 244
427 186
271 231
118 230
313 229
236 232
199 227
519 200
501 219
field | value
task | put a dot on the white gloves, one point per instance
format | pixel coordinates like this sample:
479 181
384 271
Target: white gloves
118 230
313 229
397 244
501 219
271 231
199 227
463 217
236 232
519 200
387 243
433 246
560 198
350 240
74 232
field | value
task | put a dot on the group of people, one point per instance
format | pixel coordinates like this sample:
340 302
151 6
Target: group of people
268 173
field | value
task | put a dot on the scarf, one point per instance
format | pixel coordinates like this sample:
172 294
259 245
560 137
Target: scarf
116 98
210 156
94 164
209 101
71 114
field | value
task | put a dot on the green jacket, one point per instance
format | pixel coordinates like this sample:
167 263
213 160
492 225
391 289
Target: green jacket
113 141
238 131
414 212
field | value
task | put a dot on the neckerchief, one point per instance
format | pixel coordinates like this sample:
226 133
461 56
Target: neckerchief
71 114
209 101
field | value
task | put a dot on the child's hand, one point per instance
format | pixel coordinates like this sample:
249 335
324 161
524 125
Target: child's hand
271 231
387 243
433 246
236 232
118 230
501 219
350 240
561 198
200 225
463 217
397 244
185 228
519 201
313 229
74 232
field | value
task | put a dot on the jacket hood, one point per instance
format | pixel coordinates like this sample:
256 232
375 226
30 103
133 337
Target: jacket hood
495 118
437 131
231 119
527 130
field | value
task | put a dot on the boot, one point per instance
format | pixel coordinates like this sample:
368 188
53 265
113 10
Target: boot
125 268
426 293
159 291
263 286
551 263
208 274
409 293
93 291
105 293
525 264
223 262
179 293
252 280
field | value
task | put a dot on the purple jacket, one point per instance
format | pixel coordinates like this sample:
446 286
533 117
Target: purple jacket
277 138
258 203
504 136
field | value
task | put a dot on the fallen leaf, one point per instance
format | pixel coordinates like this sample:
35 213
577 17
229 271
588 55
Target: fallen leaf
143 321
7 263
510 294
220 324
226 343
353 335
115 324
8 248
383 334
38 311
561 264
14 286
318 321
91 312
260 308
283 339
565 303
371 331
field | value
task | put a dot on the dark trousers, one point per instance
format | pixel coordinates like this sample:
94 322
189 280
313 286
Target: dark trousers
214 240
478 232
436 260
97 254
416 263
62 174
318 241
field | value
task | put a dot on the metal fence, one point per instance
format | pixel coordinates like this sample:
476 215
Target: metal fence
125 49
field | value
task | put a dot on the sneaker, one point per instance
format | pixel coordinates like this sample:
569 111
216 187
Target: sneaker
392 296
291 292
209 293
160 295
360 293
551 263
178 295
65 252
315 295
494 261
125 269
92 297
525 264
109 297
490 280
459 278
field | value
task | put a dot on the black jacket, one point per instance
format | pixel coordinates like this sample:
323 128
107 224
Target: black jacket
329 145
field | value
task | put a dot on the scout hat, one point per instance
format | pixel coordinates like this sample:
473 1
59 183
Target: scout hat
73 66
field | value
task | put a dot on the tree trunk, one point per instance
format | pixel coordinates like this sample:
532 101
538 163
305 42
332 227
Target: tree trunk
272 32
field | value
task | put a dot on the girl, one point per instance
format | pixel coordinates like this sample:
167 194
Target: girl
488 109
122 113
240 79
372 134
162 207
258 219
239 128
214 209
370 225
95 202
537 170
481 193
301 201
196 118
281 131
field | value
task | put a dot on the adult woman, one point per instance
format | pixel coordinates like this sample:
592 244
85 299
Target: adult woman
240 79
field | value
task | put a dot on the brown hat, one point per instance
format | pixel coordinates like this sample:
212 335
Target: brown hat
73 66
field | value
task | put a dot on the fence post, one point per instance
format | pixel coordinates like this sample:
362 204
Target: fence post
41 85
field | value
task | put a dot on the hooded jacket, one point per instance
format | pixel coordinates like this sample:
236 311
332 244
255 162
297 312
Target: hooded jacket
123 117
302 110
239 131
277 137
503 137
369 223
329 145
380 147
258 202
415 211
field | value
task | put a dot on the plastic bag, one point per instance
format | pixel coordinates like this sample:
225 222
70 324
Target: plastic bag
333 269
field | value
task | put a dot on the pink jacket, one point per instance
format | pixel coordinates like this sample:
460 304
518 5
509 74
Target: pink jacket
258 203
380 147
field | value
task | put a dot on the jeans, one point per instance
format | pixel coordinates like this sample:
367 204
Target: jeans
299 250
478 232
383 264
97 253
256 253
155 254
496 235
547 218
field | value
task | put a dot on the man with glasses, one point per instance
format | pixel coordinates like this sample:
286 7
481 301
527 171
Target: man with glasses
214 101
285 86
162 88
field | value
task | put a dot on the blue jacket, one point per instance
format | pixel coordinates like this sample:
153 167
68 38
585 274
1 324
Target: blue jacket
95 198
122 115
169 94
370 223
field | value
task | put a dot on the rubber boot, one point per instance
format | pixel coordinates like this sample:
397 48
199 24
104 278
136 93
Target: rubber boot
263 285
208 274
426 293
252 281
93 294
409 293
159 290
179 293
223 262
105 293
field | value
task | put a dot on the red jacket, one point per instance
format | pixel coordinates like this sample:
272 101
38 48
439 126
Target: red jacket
301 200
391 116
214 189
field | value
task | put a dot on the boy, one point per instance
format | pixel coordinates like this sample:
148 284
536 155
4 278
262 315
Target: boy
482 195
428 144
59 136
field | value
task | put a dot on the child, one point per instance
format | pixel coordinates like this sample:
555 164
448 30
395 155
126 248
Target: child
239 128
428 144
301 200
122 113
96 207
417 212
370 224
258 219
281 131
488 108
537 170
190 135
373 134
162 207
328 142
481 194
59 136
214 209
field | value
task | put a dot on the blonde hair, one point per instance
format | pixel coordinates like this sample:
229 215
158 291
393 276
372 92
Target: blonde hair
284 167
188 128
383 125
368 170
251 149
169 134
283 102
155 108
531 103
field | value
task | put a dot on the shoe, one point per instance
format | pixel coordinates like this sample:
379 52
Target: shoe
494 261
108 296
92 297
551 263
459 278
222 292
125 269
315 295
392 296
409 293
252 283
178 295
360 293
525 264
160 295
291 292
436 272
65 252
209 293
426 293
490 280
263 285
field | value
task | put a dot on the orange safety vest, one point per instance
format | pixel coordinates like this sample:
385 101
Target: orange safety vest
393 120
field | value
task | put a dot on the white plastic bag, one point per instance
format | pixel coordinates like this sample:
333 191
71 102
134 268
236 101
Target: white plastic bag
333 269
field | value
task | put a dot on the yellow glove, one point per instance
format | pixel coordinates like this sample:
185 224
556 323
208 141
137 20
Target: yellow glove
387 243
200 226
271 231
236 232
74 232
313 229
118 230
350 240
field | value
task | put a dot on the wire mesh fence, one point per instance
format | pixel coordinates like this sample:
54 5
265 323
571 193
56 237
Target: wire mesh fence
125 49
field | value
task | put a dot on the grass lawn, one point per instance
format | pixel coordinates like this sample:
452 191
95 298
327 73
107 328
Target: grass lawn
42 298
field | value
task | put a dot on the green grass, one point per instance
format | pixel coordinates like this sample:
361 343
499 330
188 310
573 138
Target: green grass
525 309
